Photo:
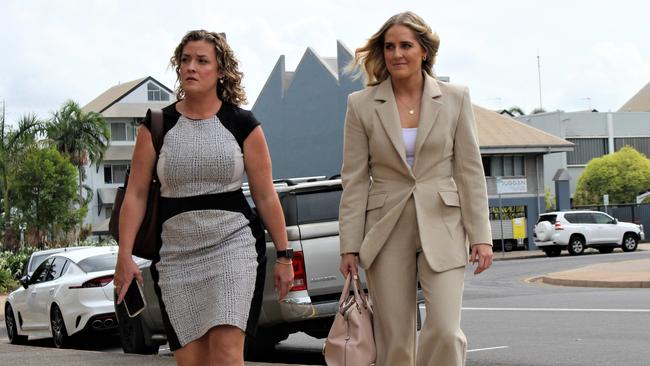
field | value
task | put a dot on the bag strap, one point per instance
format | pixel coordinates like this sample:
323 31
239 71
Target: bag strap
156 118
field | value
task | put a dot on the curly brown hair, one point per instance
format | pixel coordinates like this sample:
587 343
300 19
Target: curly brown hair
229 87
369 59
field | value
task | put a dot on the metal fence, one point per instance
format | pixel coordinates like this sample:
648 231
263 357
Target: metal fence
630 212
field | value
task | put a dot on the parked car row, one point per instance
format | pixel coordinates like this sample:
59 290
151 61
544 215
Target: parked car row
576 231
68 293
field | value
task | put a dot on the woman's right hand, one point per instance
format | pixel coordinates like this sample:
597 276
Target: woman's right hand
349 264
125 271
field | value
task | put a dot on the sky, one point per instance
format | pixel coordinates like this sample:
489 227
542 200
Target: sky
593 54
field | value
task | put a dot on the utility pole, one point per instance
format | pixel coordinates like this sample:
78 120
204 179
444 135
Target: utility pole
539 79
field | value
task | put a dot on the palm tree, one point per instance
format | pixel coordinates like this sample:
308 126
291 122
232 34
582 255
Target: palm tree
81 136
12 144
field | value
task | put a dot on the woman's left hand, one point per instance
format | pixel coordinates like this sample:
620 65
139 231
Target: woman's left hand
481 254
283 278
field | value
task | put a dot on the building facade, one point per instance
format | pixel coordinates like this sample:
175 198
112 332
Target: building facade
123 106
594 134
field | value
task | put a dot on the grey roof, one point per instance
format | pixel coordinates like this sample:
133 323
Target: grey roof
497 132
640 102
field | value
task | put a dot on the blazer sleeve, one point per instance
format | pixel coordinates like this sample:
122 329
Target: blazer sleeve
470 177
356 182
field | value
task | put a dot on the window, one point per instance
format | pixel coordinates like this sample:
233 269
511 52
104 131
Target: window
44 272
504 166
108 212
602 218
102 262
115 173
640 144
121 131
154 93
585 150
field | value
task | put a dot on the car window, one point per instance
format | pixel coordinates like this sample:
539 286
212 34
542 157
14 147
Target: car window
43 272
100 262
36 261
318 206
549 218
602 218
573 218
58 267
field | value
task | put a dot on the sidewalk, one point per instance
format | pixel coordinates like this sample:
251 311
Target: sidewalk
36 356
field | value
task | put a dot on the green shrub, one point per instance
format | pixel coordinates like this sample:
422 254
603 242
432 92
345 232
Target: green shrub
7 281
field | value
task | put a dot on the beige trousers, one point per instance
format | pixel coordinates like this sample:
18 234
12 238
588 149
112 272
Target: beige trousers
392 281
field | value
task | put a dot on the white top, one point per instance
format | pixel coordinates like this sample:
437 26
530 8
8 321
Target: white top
409 135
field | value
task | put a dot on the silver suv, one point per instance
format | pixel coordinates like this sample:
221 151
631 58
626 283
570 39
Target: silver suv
578 230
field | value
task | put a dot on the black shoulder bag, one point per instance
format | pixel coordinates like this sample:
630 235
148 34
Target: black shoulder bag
147 241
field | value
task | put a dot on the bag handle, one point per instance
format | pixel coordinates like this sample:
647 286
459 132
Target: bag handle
345 294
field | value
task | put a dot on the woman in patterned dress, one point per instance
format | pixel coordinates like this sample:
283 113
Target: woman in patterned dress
210 274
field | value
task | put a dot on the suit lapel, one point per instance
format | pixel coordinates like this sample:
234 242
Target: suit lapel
389 117
429 108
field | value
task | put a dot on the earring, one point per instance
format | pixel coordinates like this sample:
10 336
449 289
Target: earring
424 58
221 81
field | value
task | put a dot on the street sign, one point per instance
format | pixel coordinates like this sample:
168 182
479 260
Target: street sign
605 199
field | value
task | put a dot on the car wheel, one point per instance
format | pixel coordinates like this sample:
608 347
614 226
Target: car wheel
606 250
59 333
576 245
12 327
630 243
132 335
552 252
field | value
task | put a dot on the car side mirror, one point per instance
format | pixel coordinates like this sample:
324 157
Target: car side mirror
615 221
24 281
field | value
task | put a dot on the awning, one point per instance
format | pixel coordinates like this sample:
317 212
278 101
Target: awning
106 196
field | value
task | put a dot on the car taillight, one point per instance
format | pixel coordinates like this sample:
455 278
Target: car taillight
299 274
558 226
95 282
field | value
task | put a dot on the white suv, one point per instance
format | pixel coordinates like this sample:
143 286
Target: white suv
578 230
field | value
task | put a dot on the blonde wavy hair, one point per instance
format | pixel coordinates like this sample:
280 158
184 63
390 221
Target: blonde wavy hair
229 87
369 60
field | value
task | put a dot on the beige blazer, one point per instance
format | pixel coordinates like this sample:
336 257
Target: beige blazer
447 180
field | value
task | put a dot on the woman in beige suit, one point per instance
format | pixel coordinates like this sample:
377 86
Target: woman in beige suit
414 198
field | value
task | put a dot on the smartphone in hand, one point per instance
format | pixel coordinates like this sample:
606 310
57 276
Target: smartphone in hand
134 301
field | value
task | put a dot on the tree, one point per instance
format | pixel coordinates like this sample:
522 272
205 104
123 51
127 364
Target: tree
46 192
621 175
515 110
12 144
80 136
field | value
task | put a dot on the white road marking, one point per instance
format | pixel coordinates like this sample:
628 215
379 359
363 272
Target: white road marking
486 349
563 309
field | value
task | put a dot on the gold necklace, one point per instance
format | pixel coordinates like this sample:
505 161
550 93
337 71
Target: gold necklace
410 111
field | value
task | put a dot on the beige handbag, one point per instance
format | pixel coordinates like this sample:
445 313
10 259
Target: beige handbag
350 341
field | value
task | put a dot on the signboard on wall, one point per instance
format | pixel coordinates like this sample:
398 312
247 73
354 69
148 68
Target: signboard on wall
511 185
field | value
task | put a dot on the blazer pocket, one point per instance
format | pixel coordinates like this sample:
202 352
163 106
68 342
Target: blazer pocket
450 198
376 200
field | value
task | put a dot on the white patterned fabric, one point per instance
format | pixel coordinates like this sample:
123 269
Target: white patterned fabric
208 259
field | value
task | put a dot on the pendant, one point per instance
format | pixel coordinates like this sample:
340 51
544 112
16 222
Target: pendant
411 112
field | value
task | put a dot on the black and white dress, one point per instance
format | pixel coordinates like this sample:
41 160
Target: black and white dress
211 266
